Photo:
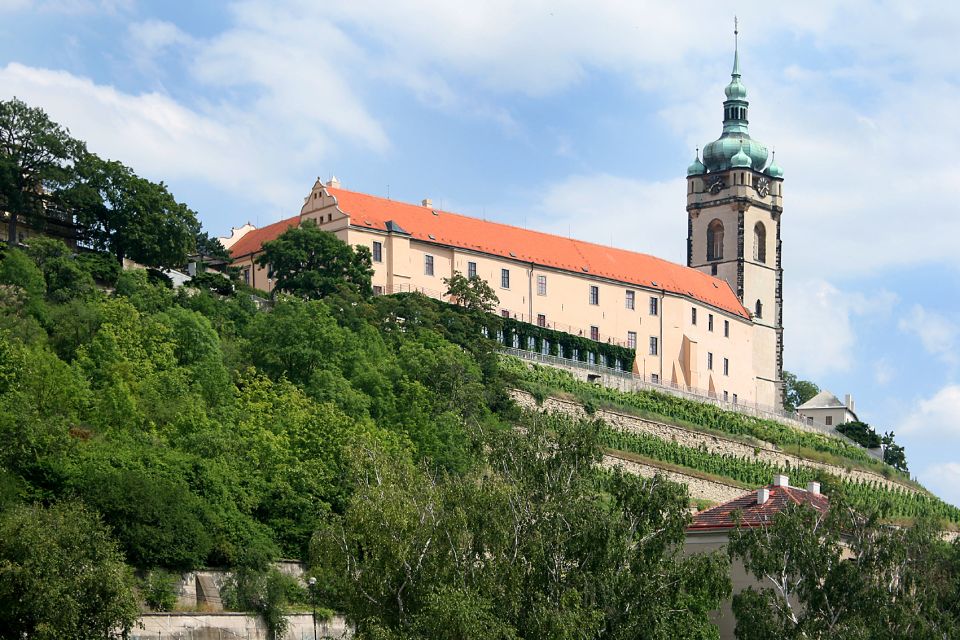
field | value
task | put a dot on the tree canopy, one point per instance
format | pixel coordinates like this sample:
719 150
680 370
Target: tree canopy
473 293
797 391
311 263
36 155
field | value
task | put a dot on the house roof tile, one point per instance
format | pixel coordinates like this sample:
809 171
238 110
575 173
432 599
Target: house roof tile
751 514
543 249
254 239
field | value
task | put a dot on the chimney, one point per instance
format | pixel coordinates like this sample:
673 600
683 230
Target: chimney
427 202
763 495
813 488
849 402
334 182
781 481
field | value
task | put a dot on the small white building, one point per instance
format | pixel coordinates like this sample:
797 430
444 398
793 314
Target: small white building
826 409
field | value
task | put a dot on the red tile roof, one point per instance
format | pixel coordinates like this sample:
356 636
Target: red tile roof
254 239
753 514
543 249
452 229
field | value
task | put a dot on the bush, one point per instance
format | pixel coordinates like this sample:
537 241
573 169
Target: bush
159 590
103 267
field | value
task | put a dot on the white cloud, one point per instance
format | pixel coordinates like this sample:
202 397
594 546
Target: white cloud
944 480
883 371
935 417
610 210
937 333
819 318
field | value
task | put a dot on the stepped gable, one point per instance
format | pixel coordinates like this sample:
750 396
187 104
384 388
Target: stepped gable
450 229
252 241
754 514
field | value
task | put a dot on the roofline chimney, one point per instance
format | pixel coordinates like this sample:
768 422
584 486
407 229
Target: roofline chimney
813 487
780 480
849 402
427 202
763 494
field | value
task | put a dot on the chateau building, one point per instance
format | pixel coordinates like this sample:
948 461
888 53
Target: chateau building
713 326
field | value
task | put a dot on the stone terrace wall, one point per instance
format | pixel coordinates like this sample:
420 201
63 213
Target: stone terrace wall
231 626
699 488
689 438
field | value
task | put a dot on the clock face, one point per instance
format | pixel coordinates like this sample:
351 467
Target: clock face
716 185
762 186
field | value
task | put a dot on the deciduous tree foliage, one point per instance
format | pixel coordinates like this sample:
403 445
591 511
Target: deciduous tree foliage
797 391
61 576
536 543
129 216
844 575
471 293
36 155
310 263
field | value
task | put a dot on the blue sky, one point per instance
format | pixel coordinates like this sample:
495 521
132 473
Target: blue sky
568 117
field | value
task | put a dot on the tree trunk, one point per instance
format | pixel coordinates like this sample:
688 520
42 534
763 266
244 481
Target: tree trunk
12 230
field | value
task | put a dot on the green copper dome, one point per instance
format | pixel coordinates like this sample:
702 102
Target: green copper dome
774 170
696 168
740 159
735 139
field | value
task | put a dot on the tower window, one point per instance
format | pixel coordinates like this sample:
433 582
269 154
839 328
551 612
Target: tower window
715 240
759 242
709 322
693 315
758 309
726 328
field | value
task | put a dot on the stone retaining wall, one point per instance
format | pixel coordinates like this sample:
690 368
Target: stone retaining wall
231 626
699 488
689 438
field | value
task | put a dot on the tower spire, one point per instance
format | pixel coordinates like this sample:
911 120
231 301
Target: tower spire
736 48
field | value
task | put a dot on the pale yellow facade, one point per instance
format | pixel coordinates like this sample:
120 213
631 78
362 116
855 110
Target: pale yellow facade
679 340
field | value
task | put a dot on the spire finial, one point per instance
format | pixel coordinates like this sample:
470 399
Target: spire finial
736 48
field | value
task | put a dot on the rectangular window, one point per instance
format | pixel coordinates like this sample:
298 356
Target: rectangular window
541 320
709 361
654 306
471 269
631 300
595 333
726 397
377 251
541 285
246 276
516 341
734 398
591 357
726 328
709 322
713 269
631 339
654 345
594 295
829 421
504 278
575 354
377 290
531 343
693 315
504 313
428 265
726 367
654 378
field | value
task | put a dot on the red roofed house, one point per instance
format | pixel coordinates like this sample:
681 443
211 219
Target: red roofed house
688 324
710 530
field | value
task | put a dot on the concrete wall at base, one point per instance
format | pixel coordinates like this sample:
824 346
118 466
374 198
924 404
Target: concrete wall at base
232 626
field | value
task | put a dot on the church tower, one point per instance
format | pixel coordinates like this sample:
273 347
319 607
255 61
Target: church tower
734 204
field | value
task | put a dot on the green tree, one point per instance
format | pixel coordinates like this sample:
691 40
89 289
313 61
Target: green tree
894 454
308 262
61 576
796 391
129 216
36 155
471 293
535 543
845 575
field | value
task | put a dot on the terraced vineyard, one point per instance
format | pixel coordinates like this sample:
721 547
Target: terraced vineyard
896 503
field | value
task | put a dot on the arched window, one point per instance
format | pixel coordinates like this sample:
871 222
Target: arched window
758 310
715 240
759 242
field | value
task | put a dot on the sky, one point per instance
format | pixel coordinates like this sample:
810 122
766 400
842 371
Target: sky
568 117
